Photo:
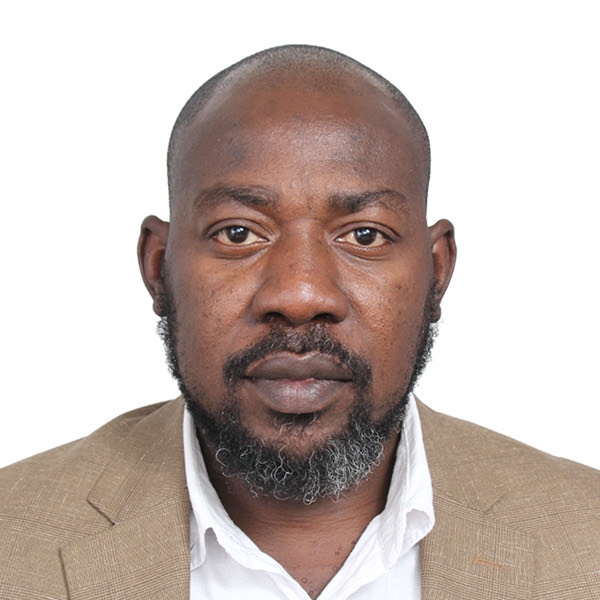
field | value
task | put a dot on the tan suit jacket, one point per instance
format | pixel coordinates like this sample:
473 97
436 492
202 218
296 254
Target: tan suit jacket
106 517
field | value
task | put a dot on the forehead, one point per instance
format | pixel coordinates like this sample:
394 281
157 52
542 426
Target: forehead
304 135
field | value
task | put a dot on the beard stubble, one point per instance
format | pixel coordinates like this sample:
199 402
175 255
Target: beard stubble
327 470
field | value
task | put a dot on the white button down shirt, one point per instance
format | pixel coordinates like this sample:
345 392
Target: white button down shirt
227 565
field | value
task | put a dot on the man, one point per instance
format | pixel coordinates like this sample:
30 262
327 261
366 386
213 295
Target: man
298 285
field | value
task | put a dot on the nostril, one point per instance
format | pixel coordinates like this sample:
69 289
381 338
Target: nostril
277 318
326 318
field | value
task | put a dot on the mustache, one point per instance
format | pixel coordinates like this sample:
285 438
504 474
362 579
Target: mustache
283 339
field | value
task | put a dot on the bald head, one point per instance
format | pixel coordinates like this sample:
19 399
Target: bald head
298 181
256 82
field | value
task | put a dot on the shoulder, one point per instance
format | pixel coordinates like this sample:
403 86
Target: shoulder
90 454
553 502
487 460
44 500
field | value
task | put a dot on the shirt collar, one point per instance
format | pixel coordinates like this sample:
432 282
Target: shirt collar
408 515
207 512
407 518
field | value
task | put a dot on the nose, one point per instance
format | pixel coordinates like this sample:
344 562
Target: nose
300 284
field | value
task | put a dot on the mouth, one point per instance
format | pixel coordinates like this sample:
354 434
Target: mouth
293 384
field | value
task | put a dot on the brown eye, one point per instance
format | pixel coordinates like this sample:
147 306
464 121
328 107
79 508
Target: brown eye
237 235
367 237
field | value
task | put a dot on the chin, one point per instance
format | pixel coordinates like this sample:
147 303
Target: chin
297 457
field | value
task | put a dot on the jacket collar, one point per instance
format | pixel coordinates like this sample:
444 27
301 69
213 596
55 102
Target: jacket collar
468 554
144 551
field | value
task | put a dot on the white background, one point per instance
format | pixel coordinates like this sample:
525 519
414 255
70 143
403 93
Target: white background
509 92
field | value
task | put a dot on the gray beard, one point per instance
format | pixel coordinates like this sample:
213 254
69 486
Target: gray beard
330 469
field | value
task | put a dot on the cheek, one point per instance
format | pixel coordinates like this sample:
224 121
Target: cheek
390 312
210 308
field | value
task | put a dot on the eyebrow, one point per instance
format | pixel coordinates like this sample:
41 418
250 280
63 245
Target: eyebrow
254 195
353 202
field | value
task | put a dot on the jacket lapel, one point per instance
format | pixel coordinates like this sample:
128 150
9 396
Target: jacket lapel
144 550
468 554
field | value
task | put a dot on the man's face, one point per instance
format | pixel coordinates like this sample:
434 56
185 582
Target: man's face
299 217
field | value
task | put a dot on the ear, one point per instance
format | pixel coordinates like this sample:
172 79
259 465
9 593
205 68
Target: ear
151 249
443 251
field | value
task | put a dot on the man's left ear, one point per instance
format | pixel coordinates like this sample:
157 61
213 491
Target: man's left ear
443 251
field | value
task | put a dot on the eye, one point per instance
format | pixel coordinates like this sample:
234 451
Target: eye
237 235
367 237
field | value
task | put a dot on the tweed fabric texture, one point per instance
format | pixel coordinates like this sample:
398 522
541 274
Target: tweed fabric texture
106 517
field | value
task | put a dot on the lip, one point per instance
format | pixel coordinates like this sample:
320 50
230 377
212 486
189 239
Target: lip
295 367
293 384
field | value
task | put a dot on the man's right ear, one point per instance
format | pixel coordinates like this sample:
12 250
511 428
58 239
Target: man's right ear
151 249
